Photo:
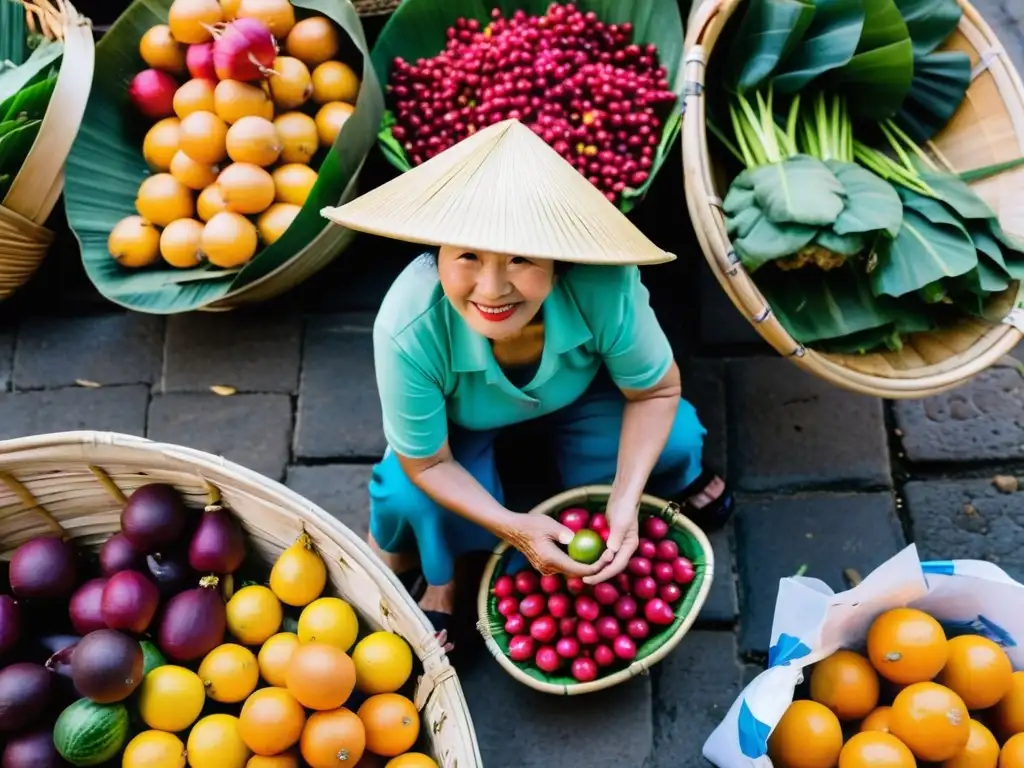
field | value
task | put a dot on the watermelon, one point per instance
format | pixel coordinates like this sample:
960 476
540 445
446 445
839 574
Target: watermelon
87 733
151 657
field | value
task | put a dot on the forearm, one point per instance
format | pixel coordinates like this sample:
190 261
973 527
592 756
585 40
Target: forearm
450 485
646 425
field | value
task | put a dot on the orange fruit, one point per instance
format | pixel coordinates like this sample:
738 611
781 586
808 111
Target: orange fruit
392 724
807 736
982 750
873 749
289 759
931 720
1008 714
271 721
274 657
412 760
333 739
846 683
1012 753
978 670
906 646
878 720
321 676
383 663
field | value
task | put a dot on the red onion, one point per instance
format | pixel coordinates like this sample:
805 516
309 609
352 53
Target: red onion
544 629
245 51
218 545
152 93
624 648
574 519
25 693
118 554
532 606
44 568
586 633
550 583
605 593
604 656
559 606
515 624
521 648
584 670
193 622
503 587
199 60
84 608
129 601
547 659
154 516
526 582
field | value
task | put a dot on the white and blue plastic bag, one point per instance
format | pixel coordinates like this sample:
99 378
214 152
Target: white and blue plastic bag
812 622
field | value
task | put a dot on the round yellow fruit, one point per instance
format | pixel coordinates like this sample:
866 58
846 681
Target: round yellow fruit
215 742
254 140
203 137
160 50
274 221
162 199
210 203
229 240
278 15
233 100
335 81
293 182
171 698
291 84
330 119
329 620
195 95
191 20
253 614
299 573
274 657
383 663
246 188
134 242
161 142
313 41
229 673
154 749
195 176
299 137
179 243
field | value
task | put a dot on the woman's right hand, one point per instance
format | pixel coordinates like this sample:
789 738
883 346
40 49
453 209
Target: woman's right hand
538 538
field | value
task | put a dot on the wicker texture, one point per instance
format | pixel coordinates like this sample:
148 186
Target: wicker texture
591 496
79 480
24 240
375 7
988 128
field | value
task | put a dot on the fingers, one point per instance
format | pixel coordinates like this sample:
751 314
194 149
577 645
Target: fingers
615 565
561 562
561 533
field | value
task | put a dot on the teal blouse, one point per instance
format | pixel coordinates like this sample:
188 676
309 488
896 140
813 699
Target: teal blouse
431 367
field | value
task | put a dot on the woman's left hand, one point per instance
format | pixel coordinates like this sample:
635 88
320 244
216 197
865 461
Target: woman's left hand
623 538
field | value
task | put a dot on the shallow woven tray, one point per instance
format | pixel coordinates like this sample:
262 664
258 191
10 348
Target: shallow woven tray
692 544
78 480
987 129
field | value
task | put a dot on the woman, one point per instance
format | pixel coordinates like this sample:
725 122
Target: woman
530 309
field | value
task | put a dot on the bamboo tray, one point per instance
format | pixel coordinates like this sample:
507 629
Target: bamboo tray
987 129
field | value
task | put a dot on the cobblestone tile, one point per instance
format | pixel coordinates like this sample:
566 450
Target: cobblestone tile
968 519
694 686
339 488
721 605
108 409
251 430
789 429
117 348
250 351
704 388
518 727
982 420
339 409
824 532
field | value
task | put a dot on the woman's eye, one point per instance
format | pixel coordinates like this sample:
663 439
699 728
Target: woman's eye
520 260
468 256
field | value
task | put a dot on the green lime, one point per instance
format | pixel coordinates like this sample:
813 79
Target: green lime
586 546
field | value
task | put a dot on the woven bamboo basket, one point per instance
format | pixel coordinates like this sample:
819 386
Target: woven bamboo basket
692 544
375 7
987 129
78 481
24 238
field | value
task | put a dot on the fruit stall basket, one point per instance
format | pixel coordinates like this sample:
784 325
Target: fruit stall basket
108 170
76 484
982 137
607 101
656 603
37 185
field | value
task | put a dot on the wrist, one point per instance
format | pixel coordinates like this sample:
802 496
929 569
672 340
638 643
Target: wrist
504 524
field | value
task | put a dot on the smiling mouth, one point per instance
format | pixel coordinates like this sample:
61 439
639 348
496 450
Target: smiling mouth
496 314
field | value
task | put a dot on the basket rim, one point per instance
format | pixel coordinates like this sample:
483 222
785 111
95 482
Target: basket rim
586 493
1000 339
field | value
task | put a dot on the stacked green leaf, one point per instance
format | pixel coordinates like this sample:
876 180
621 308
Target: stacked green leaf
13 34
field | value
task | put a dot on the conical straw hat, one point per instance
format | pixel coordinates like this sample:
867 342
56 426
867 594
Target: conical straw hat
502 190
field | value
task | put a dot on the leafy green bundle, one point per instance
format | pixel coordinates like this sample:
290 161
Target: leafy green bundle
851 245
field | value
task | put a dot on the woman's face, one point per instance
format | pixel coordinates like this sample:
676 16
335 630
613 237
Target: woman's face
495 293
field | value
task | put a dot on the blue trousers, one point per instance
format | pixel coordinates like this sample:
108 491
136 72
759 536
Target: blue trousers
585 438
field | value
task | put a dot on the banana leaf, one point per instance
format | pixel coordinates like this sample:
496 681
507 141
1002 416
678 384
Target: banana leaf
929 22
106 167
940 83
417 29
872 204
13 34
768 33
829 43
14 79
14 148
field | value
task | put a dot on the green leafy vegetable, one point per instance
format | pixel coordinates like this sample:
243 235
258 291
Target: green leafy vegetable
769 31
13 34
930 22
939 87
829 43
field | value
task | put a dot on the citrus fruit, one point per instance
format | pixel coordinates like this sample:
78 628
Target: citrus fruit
982 750
333 739
154 749
271 721
214 742
275 656
412 760
253 614
874 749
313 41
289 759
171 698
299 574
334 81
977 670
321 676
1012 753
392 724
383 663
907 646
230 673
807 736
931 720
878 720
846 683
1008 714
586 546
329 620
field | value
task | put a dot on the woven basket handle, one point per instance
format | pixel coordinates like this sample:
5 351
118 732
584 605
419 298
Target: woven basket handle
38 185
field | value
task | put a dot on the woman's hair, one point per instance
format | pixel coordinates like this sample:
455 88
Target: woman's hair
561 267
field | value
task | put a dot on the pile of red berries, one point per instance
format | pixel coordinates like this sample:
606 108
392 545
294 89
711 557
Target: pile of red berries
592 94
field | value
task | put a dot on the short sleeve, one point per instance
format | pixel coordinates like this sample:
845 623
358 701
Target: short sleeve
630 339
412 402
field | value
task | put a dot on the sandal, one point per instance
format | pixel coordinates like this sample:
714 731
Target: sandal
717 512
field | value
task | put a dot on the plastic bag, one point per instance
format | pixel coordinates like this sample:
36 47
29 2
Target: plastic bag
812 622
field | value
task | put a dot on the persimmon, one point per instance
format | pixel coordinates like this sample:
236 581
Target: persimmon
1012 753
877 720
977 670
808 736
874 749
1008 714
846 683
982 750
907 646
931 720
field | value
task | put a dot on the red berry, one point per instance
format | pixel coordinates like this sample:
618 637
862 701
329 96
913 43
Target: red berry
515 624
568 647
682 570
645 588
547 659
544 629
670 593
532 606
559 606
637 629
647 548
624 648
663 572
667 550
639 566
526 582
605 593
575 585
508 606
607 627
587 608
604 656
503 586
575 519
586 633
550 583
654 527
521 648
567 626
599 523
584 670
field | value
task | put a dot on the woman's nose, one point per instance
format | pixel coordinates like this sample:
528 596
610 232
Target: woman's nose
493 282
